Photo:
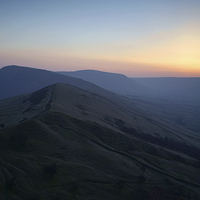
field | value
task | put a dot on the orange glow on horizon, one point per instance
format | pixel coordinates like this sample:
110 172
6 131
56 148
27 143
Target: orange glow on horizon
175 53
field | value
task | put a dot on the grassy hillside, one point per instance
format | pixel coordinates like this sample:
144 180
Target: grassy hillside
178 112
81 145
175 100
117 113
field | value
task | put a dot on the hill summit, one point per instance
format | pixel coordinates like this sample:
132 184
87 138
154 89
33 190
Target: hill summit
63 142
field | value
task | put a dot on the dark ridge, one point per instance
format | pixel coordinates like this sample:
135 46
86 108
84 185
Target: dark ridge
37 96
17 80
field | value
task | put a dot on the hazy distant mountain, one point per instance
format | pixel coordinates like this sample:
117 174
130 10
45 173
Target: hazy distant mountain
62 142
114 82
17 80
171 88
187 88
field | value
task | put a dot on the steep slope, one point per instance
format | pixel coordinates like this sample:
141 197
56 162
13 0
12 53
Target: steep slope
81 145
175 100
115 112
114 82
21 108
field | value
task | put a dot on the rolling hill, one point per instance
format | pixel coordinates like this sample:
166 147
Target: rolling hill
176 100
17 80
114 82
168 87
63 142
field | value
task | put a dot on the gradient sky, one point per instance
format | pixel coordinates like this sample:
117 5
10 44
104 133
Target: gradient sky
137 38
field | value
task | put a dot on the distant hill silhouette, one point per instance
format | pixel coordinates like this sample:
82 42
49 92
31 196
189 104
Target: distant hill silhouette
17 80
187 88
114 82
172 88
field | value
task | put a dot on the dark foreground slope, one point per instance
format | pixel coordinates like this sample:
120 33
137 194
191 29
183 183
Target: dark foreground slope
84 146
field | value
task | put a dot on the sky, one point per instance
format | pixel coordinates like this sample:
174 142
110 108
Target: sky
146 38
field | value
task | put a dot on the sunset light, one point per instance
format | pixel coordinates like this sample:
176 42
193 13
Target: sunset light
161 38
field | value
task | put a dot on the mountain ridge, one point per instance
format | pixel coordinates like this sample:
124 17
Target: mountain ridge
21 80
114 82
167 87
78 145
172 99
